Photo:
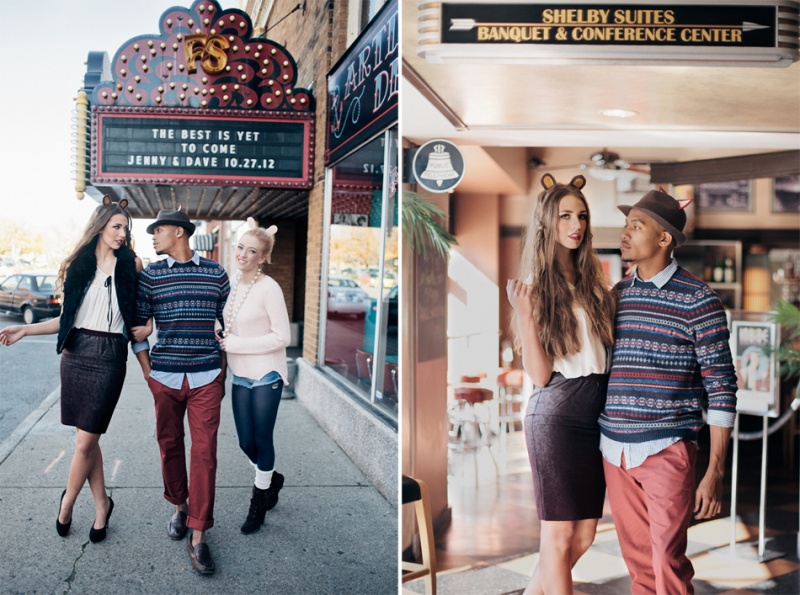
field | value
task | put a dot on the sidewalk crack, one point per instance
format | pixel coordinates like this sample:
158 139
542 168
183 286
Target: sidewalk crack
71 577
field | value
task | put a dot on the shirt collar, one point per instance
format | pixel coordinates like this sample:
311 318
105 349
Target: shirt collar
195 259
659 279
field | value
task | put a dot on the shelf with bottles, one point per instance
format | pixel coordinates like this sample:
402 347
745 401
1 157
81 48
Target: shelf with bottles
719 264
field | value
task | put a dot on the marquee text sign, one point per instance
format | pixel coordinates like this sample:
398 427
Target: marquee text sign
742 26
710 32
171 146
363 87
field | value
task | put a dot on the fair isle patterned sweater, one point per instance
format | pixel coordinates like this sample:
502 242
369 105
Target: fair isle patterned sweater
671 346
185 300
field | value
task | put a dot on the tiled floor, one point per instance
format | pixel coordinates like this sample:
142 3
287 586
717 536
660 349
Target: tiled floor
491 546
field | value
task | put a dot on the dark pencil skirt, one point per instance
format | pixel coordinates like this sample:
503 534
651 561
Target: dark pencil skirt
564 447
92 372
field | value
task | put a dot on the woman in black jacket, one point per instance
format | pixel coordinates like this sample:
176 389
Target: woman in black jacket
99 281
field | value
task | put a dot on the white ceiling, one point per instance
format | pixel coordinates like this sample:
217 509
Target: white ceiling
684 113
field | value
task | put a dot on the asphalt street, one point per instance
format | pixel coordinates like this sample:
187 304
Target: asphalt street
29 371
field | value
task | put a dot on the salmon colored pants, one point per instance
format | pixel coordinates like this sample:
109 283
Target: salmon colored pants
202 406
652 507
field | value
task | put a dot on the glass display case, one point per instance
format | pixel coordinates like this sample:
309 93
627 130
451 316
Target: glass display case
785 273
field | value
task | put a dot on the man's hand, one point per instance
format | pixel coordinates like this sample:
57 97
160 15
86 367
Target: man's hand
708 498
144 361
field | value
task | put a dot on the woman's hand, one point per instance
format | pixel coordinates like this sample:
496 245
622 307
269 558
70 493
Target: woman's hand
519 296
140 333
222 339
11 334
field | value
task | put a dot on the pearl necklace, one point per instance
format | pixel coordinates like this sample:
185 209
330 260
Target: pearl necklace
233 311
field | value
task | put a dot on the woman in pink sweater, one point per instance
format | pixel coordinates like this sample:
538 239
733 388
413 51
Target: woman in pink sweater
255 338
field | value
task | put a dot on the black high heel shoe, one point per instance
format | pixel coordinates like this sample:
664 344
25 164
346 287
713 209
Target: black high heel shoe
98 535
62 529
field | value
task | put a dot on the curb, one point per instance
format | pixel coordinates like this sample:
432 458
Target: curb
9 444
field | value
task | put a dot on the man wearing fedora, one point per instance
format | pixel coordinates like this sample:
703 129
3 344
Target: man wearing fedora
671 347
185 293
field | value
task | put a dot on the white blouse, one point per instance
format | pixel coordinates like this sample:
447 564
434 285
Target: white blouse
593 358
99 310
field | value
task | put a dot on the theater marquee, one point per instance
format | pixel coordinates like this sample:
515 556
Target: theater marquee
202 103
683 31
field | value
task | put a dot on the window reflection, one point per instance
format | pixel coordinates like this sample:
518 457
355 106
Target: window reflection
361 336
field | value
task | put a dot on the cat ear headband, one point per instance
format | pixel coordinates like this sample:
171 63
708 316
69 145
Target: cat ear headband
548 181
107 201
271 230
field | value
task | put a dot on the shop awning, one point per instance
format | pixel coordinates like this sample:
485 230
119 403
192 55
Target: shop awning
145 201
204 242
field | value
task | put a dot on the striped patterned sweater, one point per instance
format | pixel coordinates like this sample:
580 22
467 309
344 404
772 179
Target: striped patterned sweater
671 347
185 300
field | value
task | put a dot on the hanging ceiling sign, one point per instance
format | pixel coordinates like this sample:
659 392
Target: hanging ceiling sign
363 86
438 166
683 31
201 103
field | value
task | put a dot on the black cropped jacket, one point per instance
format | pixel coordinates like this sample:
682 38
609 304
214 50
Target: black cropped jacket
79 277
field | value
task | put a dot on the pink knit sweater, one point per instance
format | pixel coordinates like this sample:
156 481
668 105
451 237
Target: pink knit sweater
258 337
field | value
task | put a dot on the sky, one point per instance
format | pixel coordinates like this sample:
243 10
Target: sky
45 45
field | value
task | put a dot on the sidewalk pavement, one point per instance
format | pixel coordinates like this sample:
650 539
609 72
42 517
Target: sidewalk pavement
331 532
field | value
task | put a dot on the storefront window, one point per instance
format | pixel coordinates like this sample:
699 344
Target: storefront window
361 327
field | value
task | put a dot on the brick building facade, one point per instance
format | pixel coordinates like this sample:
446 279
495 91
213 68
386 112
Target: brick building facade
317 36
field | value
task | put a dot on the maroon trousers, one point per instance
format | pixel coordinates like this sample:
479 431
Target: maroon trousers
652 506
202 405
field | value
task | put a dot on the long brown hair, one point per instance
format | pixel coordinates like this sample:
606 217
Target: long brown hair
97 223
551 296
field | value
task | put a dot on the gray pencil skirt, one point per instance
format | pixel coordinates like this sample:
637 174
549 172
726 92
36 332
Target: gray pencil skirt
93 366
563 440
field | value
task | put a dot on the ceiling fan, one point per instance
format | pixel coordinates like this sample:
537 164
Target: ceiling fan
603 165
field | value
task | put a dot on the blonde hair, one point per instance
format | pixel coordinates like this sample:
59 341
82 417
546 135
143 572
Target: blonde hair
551 296
266 238
97 223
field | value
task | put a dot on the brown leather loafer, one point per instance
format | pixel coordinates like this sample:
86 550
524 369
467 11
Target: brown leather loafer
176 528
200 556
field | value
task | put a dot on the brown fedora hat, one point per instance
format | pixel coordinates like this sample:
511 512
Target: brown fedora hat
664 210
170 217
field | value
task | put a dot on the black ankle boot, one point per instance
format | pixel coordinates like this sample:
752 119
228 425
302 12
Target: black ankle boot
258 509
272 492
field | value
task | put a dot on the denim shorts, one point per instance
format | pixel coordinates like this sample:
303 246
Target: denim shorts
269 378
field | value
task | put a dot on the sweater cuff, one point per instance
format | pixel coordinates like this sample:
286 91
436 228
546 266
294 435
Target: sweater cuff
722 419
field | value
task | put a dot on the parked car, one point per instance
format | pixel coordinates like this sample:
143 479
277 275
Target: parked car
345 296
30 294
392 321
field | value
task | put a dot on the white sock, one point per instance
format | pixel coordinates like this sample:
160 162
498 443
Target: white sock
263 479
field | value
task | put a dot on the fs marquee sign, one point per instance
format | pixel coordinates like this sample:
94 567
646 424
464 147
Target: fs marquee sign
201 104
683 31
363 86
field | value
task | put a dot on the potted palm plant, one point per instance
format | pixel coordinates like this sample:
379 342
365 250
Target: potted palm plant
422 226
787 315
